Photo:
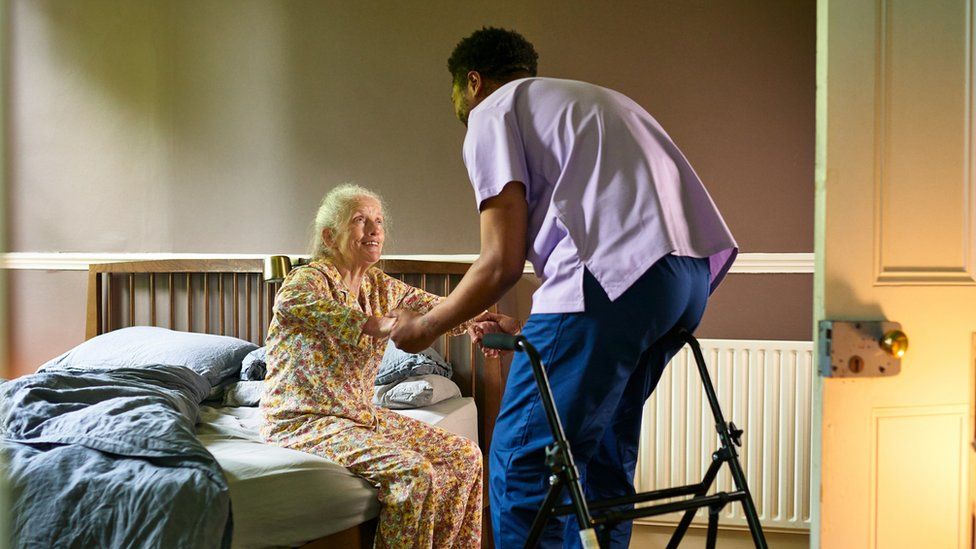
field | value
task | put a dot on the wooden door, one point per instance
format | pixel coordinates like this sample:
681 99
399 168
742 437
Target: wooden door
896 202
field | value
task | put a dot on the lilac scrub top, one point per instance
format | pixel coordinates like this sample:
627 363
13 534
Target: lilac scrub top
606 187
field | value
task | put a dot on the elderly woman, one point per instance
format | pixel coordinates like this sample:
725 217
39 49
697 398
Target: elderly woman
325 344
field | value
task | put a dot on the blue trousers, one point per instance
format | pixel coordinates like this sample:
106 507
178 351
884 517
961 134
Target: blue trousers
602 365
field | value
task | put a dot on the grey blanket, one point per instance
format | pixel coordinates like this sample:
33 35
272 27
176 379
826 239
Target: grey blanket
102 458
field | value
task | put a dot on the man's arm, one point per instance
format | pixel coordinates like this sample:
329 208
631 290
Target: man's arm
504 229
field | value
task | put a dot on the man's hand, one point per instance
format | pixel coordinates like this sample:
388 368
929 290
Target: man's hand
409 332
378 326
487 323
505 323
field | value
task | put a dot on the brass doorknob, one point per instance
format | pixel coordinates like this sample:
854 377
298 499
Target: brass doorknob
895 343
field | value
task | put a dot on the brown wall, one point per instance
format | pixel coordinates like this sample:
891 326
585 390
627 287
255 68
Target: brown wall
216 126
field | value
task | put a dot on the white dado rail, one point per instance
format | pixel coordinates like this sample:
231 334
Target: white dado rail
746 263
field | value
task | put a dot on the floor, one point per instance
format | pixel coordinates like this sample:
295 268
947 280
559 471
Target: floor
652 537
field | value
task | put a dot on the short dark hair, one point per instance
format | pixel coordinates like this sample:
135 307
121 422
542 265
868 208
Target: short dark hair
495 53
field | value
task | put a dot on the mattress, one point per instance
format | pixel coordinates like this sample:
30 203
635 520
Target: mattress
282 497
457 415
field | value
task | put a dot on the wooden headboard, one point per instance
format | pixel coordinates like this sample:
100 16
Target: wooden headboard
230 297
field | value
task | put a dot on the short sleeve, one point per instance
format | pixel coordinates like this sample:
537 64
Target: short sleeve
494 153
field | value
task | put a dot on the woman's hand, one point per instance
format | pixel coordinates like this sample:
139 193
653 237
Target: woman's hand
487 323
379 326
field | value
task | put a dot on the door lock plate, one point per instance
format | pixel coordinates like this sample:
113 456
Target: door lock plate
860 348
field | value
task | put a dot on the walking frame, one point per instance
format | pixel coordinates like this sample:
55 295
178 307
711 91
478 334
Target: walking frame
559 458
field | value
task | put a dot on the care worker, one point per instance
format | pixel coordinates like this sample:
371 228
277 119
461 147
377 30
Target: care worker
586 185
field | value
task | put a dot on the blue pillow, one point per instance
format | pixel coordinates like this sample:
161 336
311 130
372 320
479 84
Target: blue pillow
398 365
255 365
415 392
214 357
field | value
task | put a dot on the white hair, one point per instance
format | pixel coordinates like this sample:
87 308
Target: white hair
334 213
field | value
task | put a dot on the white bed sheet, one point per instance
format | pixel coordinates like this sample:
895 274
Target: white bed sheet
282 497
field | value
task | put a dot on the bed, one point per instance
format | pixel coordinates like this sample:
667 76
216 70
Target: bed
281 497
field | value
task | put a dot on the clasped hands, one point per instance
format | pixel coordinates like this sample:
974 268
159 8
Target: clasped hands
412 334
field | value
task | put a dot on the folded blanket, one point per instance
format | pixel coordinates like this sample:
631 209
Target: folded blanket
398 365
100 458
411 392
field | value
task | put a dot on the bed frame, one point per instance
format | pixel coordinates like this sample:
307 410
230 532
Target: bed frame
230 297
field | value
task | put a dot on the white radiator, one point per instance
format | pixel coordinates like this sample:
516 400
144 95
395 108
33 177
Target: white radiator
764 387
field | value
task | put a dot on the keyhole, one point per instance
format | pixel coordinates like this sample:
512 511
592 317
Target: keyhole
855 364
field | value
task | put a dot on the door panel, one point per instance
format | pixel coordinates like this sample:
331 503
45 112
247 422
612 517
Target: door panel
911 439
922 142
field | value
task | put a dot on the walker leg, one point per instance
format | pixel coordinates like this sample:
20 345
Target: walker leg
679 532
545 512
712 526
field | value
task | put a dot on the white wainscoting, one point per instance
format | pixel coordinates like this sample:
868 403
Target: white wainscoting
764 387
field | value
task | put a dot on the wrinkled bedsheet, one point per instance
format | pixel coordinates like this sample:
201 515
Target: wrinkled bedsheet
108 458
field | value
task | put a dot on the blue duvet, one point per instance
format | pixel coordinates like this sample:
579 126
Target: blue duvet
108 458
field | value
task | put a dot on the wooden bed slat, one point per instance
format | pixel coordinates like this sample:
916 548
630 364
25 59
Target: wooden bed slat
109 305
260 310
237 322
206 303
220 293
189 303
152 298
272 291
172 302
247 307
132 298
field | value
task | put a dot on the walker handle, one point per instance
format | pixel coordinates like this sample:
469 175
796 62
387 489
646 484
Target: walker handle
501 341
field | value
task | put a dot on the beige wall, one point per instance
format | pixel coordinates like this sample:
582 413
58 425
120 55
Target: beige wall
216 126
